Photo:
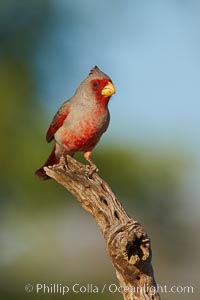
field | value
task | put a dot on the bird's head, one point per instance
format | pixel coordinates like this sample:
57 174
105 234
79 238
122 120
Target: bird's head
101 84
98 86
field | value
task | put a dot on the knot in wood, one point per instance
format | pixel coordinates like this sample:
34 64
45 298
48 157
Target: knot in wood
130 243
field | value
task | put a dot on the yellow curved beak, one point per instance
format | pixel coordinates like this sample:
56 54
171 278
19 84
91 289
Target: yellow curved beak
108 90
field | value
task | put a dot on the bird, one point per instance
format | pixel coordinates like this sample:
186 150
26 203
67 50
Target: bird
80 121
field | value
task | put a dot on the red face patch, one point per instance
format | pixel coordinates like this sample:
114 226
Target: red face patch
97 85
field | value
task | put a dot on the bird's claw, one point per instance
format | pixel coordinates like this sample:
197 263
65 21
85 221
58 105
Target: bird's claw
90 170
63 162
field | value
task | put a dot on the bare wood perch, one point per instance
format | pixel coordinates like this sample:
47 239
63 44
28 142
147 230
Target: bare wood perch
126 241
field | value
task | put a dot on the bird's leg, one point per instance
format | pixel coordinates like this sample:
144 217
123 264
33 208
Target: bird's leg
63 154
87 156
93 168
62 146
63 161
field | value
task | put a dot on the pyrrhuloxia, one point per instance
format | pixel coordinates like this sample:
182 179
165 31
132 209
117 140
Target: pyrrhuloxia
81 120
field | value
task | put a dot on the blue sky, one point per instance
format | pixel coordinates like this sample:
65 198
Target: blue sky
151 50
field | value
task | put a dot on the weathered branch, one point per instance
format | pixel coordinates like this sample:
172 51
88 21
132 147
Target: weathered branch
126 241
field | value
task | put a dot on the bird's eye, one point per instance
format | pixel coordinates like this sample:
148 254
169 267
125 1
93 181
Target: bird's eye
95 84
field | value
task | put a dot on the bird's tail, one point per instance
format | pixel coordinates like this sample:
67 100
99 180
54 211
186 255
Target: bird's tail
52 160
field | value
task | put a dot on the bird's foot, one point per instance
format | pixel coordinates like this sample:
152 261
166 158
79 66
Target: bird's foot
92 168
63 162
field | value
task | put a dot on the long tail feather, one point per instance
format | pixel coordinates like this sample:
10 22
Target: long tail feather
52 160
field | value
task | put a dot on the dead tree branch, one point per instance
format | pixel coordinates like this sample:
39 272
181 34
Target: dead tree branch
126 241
